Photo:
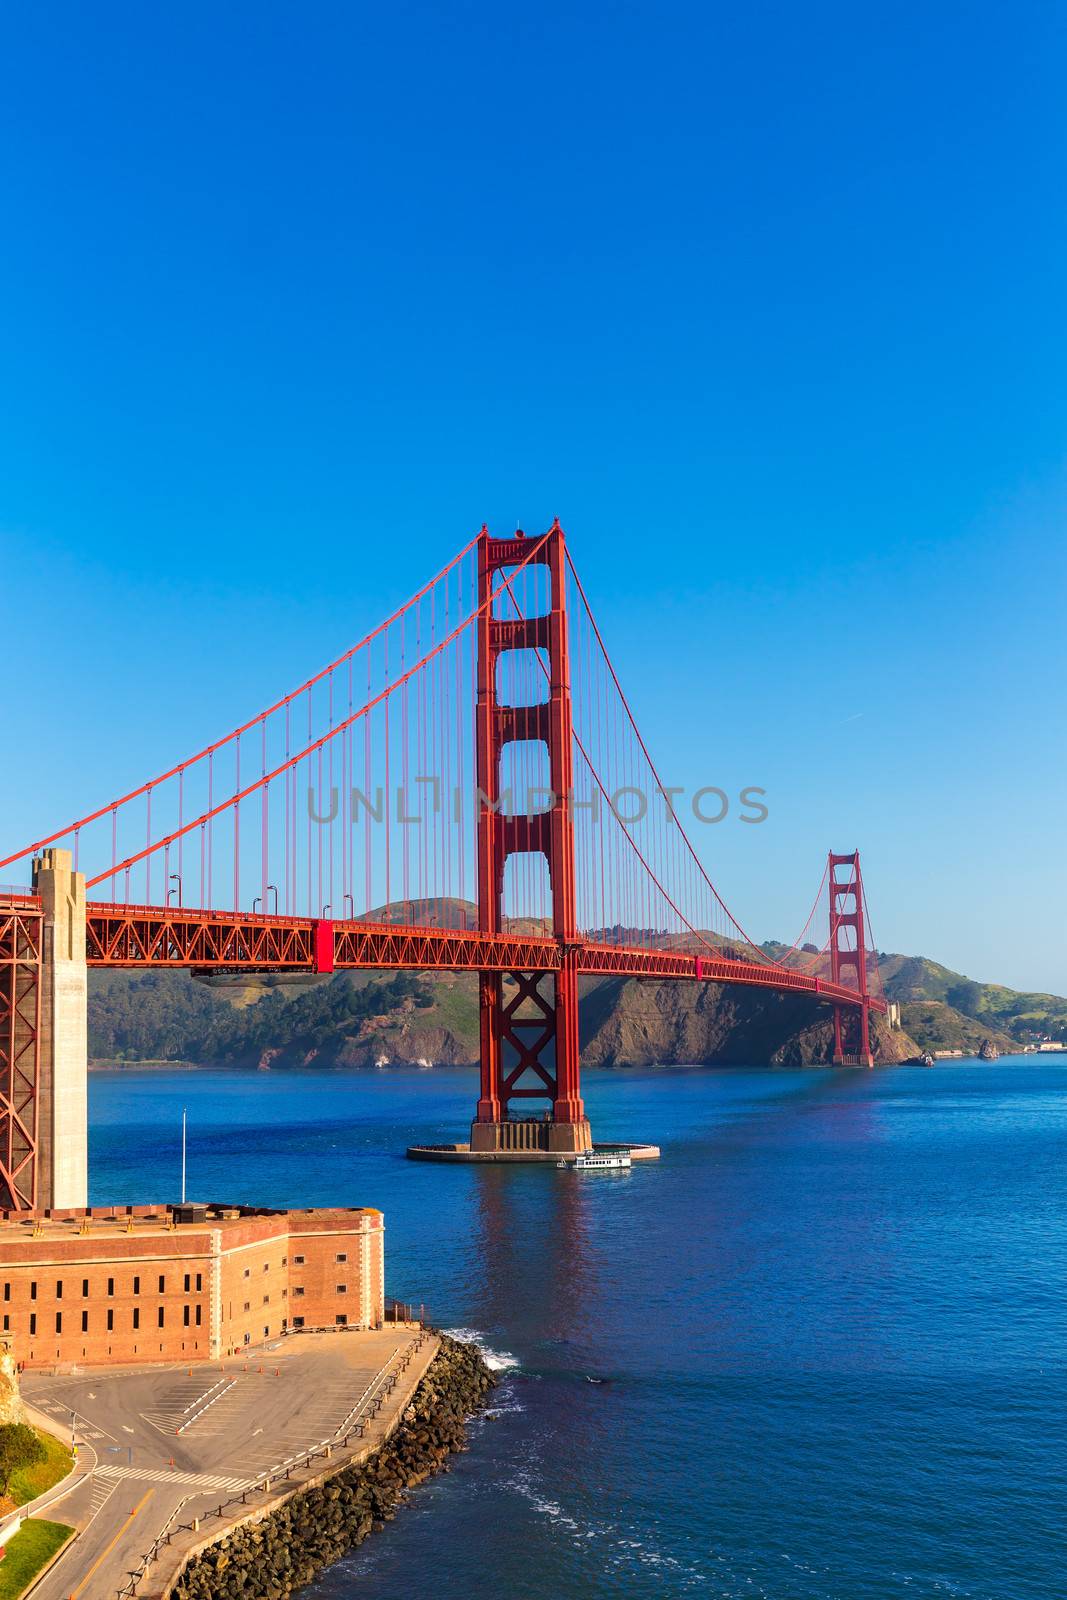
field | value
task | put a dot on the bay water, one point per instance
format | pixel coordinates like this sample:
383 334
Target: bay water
816 1352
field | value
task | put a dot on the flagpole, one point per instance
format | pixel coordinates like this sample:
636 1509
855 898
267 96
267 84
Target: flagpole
183 1155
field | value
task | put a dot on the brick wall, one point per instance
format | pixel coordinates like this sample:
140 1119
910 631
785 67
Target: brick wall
254 1284
184 1293
336 1269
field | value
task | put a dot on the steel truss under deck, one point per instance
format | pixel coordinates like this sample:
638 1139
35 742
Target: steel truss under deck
220 941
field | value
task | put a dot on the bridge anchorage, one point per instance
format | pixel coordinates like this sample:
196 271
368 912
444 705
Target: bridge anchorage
465 790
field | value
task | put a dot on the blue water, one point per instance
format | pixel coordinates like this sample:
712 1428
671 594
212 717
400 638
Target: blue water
832 1317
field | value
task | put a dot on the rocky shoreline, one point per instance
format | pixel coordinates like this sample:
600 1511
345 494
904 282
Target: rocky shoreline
273 1557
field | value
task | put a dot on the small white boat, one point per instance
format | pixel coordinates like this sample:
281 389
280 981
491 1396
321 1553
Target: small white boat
601 1161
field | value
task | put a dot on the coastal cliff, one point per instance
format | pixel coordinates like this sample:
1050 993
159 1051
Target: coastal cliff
633 1022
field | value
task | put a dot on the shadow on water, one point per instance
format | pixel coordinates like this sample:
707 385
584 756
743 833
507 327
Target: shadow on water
532 1233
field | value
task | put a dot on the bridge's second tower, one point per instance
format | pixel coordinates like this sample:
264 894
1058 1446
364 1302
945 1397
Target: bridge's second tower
529 1020
848 961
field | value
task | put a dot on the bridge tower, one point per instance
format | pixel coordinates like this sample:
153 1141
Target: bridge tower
848 960
528 1020
43 1044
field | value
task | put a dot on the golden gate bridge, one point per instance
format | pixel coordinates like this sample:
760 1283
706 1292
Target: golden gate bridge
465 789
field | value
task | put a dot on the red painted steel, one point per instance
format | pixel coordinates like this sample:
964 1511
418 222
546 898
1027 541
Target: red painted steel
216 941
219 941
322 945
528 1041
848 954
21 949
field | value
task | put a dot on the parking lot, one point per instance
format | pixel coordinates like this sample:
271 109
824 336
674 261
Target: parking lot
160 1446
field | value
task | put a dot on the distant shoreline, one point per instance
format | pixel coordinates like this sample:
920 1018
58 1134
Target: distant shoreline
161 1066
468 1066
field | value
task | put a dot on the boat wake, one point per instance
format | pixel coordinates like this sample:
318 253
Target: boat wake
620 1547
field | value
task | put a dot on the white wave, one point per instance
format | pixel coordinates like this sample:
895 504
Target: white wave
495 1360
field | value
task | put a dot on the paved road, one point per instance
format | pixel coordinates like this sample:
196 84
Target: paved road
173 1442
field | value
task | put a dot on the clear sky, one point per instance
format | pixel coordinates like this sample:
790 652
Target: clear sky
765 302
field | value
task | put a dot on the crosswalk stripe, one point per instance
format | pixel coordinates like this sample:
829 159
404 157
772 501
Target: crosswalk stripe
102 1492
198 1480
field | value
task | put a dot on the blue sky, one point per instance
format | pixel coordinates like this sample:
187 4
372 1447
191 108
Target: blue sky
765 303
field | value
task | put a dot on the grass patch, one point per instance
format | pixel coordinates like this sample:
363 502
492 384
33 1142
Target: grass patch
455 1006
35 1544
29 1482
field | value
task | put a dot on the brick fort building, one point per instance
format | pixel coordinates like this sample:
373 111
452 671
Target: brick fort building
127 1284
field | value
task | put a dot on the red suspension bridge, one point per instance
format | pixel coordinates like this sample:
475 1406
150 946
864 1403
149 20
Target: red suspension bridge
464 789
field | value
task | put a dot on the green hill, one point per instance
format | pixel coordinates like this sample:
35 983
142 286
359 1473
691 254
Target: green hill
353 1019
1016 1016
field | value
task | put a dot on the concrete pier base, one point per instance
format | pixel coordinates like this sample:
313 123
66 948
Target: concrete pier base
530 1135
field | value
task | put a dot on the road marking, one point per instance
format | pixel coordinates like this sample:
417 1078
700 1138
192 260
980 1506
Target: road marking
125 1429
109 1547
189 1416
198 1480
171 1416
99 1431
101 1494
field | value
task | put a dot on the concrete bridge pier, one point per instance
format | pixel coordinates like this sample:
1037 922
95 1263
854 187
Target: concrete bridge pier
63 1131
531 1137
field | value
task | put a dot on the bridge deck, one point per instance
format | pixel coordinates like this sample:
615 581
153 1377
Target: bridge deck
220 941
